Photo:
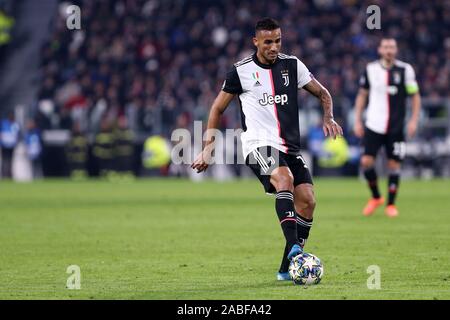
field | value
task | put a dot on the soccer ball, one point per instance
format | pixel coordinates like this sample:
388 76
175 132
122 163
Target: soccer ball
306 269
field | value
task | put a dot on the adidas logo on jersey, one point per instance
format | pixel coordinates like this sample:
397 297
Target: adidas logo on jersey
278 99
255 76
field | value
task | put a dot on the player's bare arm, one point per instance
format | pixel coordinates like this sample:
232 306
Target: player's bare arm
414 120
219 105
330 127
360 103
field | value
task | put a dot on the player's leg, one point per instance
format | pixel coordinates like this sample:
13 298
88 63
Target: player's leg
368 168
372 143
393 184
394 168
395 149
304 202
272 170
283 182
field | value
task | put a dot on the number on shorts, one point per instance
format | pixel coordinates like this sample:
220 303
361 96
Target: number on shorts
399 149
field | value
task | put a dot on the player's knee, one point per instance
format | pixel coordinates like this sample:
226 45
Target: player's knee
311 203
393 165
306 206
367 162
286 183
283 182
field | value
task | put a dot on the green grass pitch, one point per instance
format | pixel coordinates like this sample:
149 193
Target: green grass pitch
175 239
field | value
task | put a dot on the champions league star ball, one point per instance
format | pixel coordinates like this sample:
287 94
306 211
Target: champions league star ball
306 269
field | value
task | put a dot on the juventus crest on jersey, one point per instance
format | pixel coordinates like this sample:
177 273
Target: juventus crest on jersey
268 99
388 90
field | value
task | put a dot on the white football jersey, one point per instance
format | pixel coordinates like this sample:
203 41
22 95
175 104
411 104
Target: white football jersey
388 90
268 99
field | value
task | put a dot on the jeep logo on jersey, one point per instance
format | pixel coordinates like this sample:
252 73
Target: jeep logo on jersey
269 99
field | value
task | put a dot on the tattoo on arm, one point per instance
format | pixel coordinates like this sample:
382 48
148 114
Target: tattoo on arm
327 102
316 89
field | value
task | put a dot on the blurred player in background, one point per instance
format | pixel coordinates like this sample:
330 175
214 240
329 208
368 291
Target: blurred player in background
386 83
267 84
9 139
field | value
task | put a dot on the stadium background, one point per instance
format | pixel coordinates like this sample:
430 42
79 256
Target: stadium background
84 102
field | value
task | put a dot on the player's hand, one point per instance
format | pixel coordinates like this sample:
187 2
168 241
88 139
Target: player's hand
412 128
203 160
358 129
331 128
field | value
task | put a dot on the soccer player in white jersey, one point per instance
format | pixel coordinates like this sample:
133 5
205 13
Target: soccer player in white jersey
387 83
266 84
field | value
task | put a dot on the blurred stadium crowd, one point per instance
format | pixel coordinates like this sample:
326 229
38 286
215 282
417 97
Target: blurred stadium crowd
146 67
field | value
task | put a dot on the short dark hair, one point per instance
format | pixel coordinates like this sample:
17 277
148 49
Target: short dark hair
387 38
266 24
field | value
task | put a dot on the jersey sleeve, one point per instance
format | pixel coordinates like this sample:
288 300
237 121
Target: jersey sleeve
411 85
232 83
364 80
303 74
